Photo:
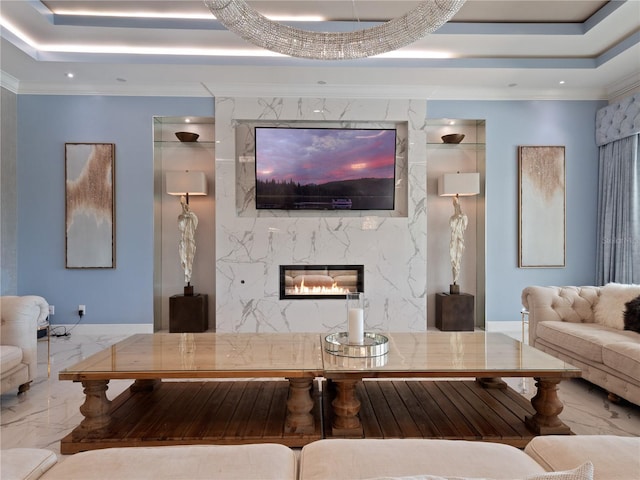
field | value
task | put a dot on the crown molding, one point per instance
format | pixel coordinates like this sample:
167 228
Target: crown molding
9 82
174 90
623 88
611 93
400 92
254 90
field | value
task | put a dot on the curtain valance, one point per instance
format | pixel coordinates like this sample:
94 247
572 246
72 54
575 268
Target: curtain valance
618 120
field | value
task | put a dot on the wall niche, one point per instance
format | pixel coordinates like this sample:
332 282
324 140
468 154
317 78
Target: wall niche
171 154
465 157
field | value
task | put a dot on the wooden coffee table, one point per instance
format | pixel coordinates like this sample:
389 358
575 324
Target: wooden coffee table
247 388
483 409
174 411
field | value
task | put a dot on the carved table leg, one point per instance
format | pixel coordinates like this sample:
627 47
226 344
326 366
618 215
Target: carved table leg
345 408
299 405
548 406
95 409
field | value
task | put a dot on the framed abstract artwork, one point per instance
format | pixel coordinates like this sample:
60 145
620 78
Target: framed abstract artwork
90 205
541 201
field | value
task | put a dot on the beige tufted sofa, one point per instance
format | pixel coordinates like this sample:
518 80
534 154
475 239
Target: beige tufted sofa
18 337
568 323
610 458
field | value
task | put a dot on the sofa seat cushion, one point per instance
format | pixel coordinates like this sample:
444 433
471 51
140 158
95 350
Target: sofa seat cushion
623 357
583 339
613 457
10 357
352 459
183 462
583 472
25 463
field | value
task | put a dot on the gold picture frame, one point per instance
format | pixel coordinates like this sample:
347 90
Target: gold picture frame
541 207
90 205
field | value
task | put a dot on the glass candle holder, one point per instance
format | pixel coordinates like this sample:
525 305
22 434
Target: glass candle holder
355 317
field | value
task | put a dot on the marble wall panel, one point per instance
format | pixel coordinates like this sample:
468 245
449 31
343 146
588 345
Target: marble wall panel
250 244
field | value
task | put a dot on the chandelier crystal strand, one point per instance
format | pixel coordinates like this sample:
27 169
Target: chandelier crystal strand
243 20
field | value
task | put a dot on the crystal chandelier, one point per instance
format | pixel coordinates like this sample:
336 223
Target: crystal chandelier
399 32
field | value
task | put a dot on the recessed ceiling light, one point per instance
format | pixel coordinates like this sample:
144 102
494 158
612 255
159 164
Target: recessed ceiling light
177 15
562 82
69 75
187 120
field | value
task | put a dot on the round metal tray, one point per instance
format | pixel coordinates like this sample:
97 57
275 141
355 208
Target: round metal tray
374 345
355 363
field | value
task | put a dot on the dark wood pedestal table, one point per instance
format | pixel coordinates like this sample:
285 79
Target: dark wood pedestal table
263 393
415 401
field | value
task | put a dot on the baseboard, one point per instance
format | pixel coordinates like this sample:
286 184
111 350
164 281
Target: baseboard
513 329
510 326
102 328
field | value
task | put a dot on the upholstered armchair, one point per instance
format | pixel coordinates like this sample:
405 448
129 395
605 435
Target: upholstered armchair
20 317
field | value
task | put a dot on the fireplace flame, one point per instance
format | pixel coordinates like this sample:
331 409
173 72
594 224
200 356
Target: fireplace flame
319 290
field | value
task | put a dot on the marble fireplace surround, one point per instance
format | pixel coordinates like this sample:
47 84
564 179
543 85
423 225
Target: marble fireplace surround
252 244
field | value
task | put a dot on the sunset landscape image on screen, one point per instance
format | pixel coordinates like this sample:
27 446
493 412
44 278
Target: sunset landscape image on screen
325 168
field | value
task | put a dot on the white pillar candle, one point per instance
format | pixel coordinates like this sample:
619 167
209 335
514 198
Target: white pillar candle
356 325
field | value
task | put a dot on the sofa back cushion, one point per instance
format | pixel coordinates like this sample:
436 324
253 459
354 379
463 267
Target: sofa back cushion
366 458
256 461
19 317
613 457
567 304
610 308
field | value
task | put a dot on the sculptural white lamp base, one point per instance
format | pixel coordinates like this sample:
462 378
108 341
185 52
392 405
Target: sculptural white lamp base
187 183
457 185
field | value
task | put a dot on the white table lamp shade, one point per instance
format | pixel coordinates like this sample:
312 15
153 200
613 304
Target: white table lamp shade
186 182
461 184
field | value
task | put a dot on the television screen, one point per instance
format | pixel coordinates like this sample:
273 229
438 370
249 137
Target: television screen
325 168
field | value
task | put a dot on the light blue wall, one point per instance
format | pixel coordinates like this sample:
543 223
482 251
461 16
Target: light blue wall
510 124
125 294
45 123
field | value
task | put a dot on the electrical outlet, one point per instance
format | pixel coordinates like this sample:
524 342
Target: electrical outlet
82 310
52 310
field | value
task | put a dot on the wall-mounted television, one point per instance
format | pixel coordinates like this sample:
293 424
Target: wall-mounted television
325 168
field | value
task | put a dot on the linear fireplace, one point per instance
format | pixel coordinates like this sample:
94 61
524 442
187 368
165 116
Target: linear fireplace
320 281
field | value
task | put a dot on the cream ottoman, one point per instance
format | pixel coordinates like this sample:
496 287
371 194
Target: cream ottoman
613 457
184 462
342 459
25 463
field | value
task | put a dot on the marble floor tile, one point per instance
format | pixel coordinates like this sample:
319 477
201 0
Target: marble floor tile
50 409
